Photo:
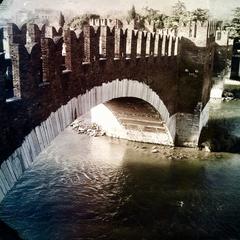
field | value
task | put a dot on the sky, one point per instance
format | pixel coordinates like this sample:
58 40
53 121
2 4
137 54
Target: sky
218 8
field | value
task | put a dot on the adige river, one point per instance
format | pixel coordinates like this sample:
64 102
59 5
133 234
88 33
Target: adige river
86 188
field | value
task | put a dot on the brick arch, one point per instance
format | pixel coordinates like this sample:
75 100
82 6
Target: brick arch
125 88
41 136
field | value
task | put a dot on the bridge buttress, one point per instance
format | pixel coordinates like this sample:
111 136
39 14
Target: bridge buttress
51 69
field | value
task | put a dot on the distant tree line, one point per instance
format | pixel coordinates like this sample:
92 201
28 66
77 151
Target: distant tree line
179 14
79 21
161 20
233 26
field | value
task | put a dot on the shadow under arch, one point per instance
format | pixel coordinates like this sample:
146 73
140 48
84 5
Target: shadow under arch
41 136
121 89
130 118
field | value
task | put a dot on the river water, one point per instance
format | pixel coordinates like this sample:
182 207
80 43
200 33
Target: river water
82 187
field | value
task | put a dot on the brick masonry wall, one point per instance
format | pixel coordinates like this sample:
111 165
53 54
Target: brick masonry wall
44 79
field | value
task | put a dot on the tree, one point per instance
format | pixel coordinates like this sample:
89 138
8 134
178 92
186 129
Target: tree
200 14
79 21
179 14
158 18
61 20
234 28
179 9
132 14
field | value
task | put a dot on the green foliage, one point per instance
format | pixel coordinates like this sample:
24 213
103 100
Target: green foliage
158 18
61 20
132 14
200 14
180 14
234 26
179 9
79 21
161 20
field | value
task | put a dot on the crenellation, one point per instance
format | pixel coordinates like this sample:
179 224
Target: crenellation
118 43
193 29
160 43
51 32
139 43
177 46
50 68
156 45
15 34
97 22
48 59
173 43
33 34
59 58
222 38
73 50
89 44
152 44
36 66
21 67
170 42
131 44
167 44
99 43
130 25
149 26
104 22
106 43
164 38
148 44
201 33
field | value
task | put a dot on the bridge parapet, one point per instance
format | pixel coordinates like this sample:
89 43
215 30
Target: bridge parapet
39 55
201 33
222 37
51 67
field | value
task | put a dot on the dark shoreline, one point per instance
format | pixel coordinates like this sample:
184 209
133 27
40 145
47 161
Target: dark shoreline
7 233
231 93
217 137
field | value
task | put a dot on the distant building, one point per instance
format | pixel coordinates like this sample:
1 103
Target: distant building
23 16
5 4
46 16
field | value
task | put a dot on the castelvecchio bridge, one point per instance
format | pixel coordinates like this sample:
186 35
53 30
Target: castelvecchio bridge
59 75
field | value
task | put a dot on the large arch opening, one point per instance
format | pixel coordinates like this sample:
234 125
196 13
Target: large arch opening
128 118
41 136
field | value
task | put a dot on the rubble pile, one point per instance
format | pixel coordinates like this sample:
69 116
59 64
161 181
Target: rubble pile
90 129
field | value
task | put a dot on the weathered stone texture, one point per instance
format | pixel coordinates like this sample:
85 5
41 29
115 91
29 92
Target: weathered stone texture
50 69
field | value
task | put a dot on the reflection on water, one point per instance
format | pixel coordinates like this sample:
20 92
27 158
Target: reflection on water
98 188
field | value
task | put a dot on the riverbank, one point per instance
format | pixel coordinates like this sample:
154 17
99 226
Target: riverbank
217 138
222 133
231 90
84 187
7 233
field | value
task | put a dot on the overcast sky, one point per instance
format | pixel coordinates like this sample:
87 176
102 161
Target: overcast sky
218 8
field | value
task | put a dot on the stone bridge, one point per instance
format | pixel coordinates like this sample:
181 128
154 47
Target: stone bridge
60 75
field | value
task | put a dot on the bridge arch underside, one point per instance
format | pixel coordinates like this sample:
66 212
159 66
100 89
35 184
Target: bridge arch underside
127 89
128 118
41 136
